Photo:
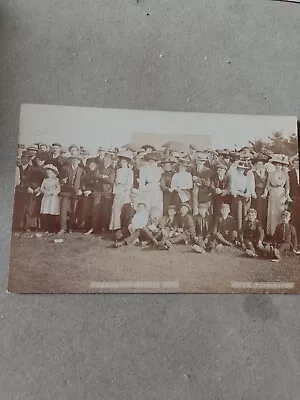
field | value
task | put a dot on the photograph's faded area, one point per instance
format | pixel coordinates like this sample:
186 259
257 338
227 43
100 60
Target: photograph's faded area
148 201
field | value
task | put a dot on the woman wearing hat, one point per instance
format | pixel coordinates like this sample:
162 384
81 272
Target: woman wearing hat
50 205
278 192
149 182
122 187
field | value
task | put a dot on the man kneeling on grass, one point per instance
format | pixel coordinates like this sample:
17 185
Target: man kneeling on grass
225 232
143 226
252 235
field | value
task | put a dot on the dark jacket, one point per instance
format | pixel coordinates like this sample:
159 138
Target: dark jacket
70 187
166 179
90 181
187 224
203 226
36 176
226 226
252 231
294 184
24 173
107 178
166 222
285 234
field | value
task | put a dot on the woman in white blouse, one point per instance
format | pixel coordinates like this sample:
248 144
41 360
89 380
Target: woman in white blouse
122 187
182 183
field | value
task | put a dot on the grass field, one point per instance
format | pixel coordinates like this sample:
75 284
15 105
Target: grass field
81 264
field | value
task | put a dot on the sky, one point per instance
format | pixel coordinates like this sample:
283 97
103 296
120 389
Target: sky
92 127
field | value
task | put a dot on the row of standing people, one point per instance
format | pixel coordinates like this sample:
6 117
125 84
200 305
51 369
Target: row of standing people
91 195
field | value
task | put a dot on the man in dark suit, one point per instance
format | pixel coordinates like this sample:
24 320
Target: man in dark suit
165 183
202 177
20 200
70 193
99 158
56 158
252 235
295 193
35 178
225 231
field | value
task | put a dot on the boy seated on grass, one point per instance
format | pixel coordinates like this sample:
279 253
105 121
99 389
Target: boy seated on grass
252 235
284 238
203 226
225 232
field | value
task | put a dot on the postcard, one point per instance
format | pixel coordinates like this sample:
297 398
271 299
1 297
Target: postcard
129 201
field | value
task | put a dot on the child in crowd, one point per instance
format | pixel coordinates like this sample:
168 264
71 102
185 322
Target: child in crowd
285 237
225 231
252 235
203 226
169 226
50 205
186 228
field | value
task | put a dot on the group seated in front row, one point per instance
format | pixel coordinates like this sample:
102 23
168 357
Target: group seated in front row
203 234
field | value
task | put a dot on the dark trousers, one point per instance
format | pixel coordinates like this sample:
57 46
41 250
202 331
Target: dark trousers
49 222
68 215
295 211
19 211
32 211
167 201
240 208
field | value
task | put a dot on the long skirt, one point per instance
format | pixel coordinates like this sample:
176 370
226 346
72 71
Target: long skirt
118 203
275 207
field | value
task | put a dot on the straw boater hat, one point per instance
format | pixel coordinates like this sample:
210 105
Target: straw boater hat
279 159
187 206
33 147
52 168
127 154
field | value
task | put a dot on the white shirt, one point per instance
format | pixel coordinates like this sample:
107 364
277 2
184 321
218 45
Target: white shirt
139 220
182 180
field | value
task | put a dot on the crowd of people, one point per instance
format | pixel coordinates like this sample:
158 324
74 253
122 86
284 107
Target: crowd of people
204 198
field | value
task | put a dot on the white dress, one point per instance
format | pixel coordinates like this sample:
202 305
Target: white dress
122 187
50 202
149 185
182 182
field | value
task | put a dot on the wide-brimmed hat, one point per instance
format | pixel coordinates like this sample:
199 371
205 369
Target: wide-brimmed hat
243 165
184 161
187 205
261 158
52 168
166 160
146 146
279 159
127 154
152 156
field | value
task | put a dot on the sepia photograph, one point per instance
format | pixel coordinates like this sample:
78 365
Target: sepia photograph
128 201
